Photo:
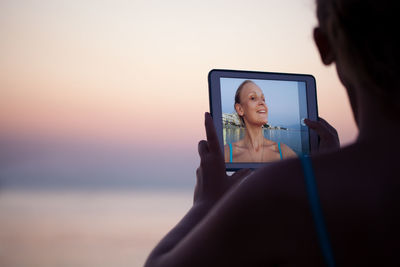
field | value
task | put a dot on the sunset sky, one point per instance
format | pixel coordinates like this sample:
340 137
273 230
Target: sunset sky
114 92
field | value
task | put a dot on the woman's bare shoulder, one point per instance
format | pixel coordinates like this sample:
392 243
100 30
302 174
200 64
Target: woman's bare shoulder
237 150
239 147
287 152
276 176
269 212
226 152
276 196
266 208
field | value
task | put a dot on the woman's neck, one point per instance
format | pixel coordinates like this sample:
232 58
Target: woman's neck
253 137
375 125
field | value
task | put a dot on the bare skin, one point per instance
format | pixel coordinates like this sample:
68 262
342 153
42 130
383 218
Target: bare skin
254 147
265 219
266 152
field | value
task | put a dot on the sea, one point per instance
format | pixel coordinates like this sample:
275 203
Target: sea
76 227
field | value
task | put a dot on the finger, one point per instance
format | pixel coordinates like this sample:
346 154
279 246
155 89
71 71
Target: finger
311 124
203 148
329 137
324 123
199 173
322 120
199 184
212 137
327 125
316 126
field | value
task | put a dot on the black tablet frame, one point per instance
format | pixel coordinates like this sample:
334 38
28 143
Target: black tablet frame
216 109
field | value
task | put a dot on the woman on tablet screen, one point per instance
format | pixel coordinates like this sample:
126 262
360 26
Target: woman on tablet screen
253 113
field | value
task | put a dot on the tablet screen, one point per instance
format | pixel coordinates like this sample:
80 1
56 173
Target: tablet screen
259 116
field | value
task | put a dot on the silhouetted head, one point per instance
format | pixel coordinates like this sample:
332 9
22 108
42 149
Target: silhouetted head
362 38
250 104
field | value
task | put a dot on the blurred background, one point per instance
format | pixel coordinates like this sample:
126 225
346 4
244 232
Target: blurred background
102 105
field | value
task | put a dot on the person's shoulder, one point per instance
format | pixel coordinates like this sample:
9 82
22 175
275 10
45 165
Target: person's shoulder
238 143
227 146
227 152
238 147
274 186
274 178
271 144
272 205
235 148
273 201
287 152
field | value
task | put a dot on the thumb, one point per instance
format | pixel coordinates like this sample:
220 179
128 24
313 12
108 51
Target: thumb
316 126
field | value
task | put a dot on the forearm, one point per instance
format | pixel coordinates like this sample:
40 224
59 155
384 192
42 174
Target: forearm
162 253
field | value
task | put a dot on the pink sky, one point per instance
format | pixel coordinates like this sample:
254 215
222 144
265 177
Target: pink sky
135 72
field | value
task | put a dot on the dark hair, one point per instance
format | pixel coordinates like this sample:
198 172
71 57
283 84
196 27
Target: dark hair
237 97
365 31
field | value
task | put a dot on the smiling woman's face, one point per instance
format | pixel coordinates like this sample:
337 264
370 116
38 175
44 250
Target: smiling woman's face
252 105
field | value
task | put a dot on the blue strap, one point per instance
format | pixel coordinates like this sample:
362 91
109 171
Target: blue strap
317 211
230 152
280 151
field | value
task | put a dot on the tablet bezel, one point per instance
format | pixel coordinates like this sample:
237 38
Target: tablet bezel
214 89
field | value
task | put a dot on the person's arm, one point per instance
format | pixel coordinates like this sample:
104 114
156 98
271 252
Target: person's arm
232 233
261 221
212 183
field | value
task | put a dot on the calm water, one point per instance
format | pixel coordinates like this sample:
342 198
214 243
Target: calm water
292 138
68 228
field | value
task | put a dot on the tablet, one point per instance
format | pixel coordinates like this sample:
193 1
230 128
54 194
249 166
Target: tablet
259 116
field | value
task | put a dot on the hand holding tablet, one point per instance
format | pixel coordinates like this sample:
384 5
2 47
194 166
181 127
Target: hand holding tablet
258 116
212 180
